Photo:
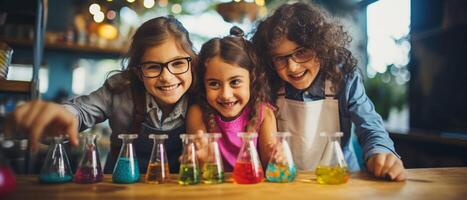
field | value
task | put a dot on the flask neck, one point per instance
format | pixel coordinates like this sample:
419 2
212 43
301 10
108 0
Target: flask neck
159 141
90 139
334 139
127 141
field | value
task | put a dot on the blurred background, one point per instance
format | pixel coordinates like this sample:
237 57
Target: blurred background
410 51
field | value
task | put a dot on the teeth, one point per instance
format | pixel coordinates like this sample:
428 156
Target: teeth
168 88
227 104
297 75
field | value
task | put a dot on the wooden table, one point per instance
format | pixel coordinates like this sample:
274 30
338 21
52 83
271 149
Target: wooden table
432 183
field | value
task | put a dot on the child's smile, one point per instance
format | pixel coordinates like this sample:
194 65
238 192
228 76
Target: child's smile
227 87
166 88
228 104
299 75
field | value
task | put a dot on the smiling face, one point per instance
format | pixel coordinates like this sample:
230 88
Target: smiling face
167 88
299 75
227 87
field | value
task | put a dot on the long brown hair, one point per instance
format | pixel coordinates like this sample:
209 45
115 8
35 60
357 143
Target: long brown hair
309 26
235 50
153 33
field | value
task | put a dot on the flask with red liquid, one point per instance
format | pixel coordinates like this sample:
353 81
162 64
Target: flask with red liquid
89 169
248 169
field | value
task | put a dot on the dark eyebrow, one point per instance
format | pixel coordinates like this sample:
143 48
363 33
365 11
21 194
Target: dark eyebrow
230 78
212 79
235 77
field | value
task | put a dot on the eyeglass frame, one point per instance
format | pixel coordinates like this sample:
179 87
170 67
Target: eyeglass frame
291 56
166 65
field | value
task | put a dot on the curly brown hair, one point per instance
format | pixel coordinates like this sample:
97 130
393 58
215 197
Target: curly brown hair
309 26
235 50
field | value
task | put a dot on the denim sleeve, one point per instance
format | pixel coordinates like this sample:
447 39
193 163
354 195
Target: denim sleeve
91 109
370 130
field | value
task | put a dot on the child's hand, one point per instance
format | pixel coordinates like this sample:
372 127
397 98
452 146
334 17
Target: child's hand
201 144
276 153
37 118
387 165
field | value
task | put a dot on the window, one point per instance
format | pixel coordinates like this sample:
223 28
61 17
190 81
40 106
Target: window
388 28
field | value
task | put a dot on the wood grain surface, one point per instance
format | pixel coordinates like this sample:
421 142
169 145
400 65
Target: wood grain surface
426 184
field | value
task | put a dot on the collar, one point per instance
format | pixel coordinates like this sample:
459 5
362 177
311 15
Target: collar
314 91
179 110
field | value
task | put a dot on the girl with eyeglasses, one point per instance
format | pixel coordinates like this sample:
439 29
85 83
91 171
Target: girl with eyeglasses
149 96
317 88
233 97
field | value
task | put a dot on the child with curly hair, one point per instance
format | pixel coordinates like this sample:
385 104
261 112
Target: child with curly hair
317 88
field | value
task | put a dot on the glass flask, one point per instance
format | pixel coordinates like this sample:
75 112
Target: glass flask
213 170
56 167
89 168
189 170
248 168
7 178
332 168
281 168
158 167
126 169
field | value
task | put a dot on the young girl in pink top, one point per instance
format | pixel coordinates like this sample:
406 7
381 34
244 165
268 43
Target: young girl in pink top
232 97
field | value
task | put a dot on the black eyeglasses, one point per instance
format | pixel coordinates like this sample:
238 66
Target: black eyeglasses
177 66
300 55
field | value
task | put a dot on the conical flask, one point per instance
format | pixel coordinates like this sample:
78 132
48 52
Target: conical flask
248 168
89 169
158 167
332 168
56 168
189 170
126 169
213 170
281 167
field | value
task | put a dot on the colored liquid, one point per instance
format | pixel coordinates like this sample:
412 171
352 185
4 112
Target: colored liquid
55 178
280 173
157 173
331 175
7 183
88 175
245 173
126 171
212 174
189 175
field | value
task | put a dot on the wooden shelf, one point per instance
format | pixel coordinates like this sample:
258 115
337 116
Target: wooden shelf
66 47
15 86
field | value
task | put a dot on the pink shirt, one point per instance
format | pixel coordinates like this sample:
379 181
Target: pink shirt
230 143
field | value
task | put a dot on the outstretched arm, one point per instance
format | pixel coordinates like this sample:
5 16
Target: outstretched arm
380 156
37 118
195 125
266 137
